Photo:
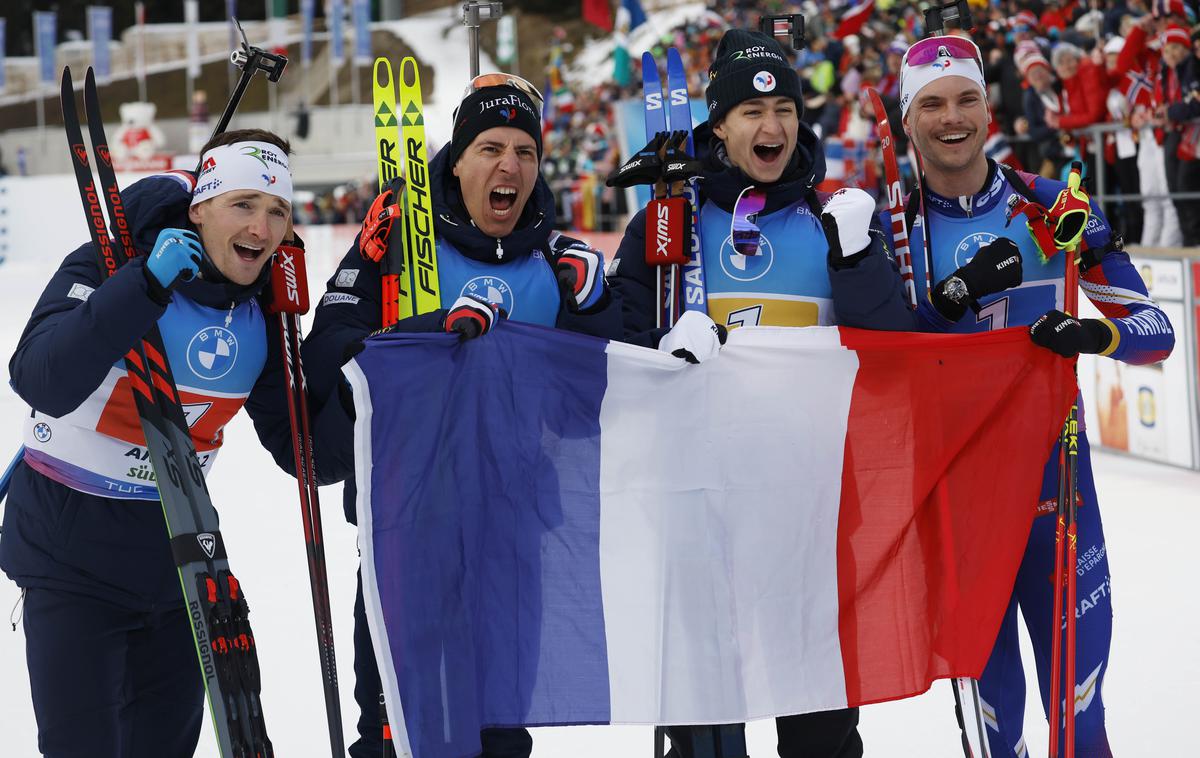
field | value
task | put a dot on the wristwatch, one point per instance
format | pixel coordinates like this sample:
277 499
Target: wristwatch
954 289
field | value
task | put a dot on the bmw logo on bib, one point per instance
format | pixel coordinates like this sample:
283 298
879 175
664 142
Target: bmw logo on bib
212 353
493 289
746 268
970 245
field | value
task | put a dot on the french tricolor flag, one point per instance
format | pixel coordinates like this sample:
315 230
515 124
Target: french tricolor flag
556 529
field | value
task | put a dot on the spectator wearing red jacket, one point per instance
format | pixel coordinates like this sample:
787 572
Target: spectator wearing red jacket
1084 91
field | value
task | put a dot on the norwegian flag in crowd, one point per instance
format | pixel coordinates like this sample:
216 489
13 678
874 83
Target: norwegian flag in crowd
1137 89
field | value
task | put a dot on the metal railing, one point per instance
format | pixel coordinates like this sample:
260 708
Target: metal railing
1096 133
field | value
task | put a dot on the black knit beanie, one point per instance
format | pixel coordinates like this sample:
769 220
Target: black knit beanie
747 65
490 107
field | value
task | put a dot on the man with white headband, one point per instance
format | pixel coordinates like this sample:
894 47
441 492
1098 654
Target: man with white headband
111 659
993 274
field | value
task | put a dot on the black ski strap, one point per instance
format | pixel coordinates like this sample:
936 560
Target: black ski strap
1014 179
1091 256
197 548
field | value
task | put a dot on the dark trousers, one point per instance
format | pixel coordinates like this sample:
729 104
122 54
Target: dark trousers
828 734
1126 217
108 681
497 743
1183 176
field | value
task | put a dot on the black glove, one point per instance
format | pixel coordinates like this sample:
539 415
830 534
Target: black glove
471 317
645 167
995 268
1068 336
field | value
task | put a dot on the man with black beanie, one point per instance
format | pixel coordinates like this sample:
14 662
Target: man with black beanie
815 254
498 257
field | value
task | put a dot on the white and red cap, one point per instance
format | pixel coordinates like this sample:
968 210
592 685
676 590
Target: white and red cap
934 58
238 166
1176 34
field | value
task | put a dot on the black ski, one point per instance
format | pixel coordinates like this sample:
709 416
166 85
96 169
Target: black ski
220 624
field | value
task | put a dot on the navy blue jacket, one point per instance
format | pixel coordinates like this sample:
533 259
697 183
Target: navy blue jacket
58 537
867 294
352 308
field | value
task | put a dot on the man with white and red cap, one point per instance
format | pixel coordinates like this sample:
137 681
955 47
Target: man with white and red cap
112 663
991 274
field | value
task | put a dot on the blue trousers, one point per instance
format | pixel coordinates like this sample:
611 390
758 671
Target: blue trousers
1002 685
109 682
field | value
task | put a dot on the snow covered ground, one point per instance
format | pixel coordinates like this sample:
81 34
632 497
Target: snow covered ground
1151 689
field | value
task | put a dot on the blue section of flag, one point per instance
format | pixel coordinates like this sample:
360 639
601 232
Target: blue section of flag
637 16
477 640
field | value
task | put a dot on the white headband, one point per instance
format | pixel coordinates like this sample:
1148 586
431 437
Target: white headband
914 78
257 166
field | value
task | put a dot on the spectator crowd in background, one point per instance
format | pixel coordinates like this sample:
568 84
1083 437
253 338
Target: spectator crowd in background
1113 83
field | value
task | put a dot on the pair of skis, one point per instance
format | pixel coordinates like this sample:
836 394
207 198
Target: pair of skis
673 246
410 273
212 595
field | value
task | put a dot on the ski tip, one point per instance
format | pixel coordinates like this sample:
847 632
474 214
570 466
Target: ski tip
410 76
383 67
66 76
647 58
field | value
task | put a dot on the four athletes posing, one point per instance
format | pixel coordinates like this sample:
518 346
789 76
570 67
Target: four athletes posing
821 260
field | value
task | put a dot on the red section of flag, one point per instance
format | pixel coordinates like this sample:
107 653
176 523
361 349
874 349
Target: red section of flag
598 12
929 545
854 19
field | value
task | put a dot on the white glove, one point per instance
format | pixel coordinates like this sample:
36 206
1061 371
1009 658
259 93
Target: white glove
695 338
847 220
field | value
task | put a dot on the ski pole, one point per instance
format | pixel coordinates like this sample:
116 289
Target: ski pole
250 60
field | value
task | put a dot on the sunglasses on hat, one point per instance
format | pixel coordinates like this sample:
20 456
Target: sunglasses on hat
500 79
931 49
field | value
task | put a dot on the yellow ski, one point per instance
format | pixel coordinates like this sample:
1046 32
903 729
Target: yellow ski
418 213
396 267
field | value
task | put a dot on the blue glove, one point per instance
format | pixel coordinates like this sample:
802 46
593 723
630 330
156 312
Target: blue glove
176 256
580 272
